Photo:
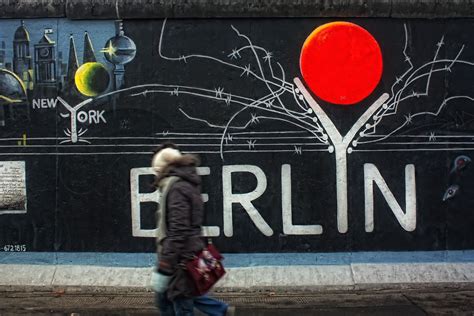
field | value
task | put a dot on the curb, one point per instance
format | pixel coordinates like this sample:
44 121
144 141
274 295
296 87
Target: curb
246 279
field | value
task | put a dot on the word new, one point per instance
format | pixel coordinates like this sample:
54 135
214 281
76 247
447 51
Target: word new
372 176
44 103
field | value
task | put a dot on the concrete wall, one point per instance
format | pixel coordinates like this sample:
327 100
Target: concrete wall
316 134
146 9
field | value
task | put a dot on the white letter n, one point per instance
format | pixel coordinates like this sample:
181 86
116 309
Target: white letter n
406 219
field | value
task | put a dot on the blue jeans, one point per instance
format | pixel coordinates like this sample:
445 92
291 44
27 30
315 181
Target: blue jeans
184 307
210 306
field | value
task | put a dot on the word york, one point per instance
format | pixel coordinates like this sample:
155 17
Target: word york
91 116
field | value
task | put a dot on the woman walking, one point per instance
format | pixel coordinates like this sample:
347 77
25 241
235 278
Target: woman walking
180 217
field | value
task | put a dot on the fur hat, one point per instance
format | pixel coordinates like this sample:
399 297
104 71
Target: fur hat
164 158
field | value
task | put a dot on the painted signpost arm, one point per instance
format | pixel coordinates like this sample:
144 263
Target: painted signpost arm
73 111
364 118
323 118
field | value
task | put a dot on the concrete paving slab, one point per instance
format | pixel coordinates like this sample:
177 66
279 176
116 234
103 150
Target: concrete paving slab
410 273
26 275
249 278
288 276
90 276
465 269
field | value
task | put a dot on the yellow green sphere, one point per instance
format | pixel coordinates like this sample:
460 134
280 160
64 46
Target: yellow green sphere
92 79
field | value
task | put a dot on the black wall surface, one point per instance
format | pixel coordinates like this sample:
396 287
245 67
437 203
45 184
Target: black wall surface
79 193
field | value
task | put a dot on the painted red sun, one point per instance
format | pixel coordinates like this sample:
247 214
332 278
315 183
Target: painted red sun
341 62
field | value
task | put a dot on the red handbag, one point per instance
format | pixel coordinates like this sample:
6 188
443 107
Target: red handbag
205 269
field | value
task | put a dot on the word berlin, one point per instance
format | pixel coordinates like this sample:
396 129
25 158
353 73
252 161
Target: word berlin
406 218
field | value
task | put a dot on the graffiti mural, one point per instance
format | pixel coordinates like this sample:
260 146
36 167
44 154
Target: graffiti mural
314 135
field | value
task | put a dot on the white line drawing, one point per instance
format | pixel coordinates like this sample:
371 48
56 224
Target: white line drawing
269 103
410 76
277 86
73 132
310 125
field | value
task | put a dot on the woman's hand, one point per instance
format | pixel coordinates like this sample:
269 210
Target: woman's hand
159 282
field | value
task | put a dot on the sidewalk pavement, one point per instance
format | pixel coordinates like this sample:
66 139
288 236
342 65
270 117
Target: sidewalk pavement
447 299
425 282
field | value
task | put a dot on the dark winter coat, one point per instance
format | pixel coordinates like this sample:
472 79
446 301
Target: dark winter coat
184 216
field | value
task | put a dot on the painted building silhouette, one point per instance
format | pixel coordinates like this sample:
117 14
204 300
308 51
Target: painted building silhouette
45 62
22 56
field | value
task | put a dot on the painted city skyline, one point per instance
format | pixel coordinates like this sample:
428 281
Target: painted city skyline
99 31
37 56
45 62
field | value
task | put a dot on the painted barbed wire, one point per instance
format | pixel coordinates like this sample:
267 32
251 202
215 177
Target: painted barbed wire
403 82
300 114
271 103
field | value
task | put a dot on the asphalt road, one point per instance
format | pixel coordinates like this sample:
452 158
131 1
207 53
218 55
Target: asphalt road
438 300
